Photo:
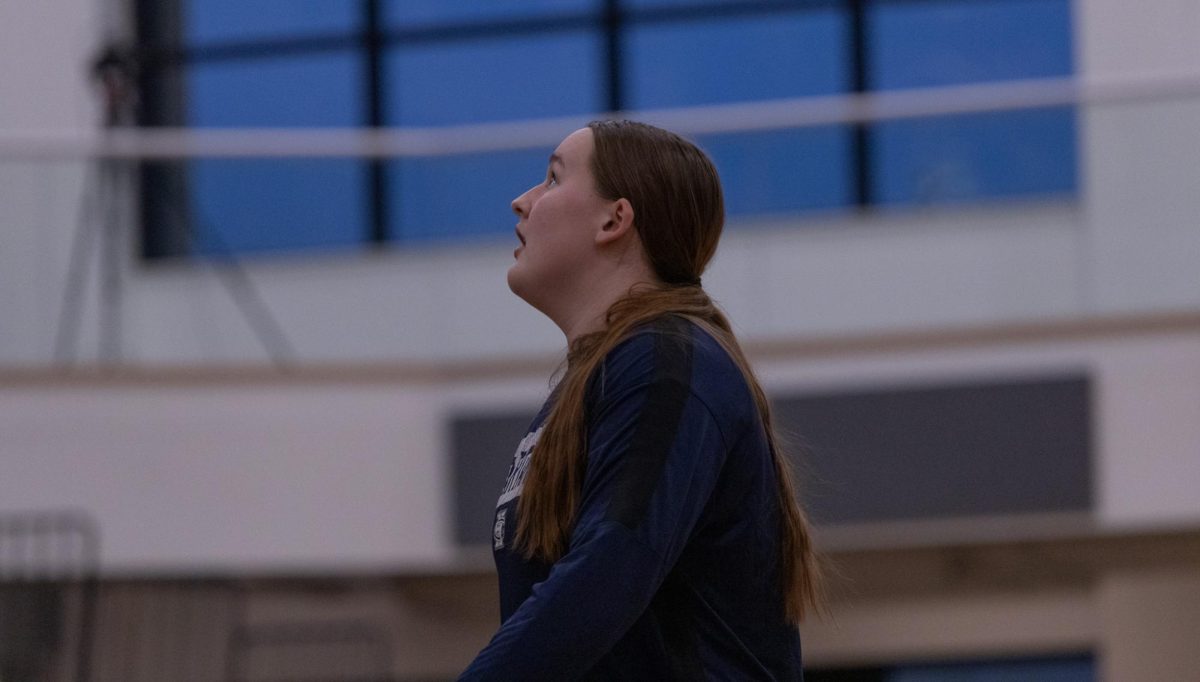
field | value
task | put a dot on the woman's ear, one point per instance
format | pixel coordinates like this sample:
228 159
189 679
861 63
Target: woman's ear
619 223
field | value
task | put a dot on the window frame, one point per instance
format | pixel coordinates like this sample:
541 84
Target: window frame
164 61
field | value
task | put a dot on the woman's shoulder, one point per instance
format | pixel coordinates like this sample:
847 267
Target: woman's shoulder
675 348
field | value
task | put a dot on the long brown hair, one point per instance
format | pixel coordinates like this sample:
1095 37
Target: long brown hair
676 195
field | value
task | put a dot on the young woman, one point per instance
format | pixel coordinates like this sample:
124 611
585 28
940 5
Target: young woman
648 528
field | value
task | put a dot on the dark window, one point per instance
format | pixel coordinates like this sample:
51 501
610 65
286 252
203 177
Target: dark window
761 57
223 21
272 204
279 63
404 13
493 79
927 44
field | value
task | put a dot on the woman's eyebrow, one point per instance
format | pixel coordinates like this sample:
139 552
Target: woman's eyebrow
555 158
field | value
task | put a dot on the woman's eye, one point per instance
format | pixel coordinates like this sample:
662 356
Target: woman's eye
551 179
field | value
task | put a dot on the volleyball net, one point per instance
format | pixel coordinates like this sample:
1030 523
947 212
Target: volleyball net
732 118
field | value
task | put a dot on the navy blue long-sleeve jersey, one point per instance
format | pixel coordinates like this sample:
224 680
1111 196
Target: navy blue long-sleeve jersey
672 568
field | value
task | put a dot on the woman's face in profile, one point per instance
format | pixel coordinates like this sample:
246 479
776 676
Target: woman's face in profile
557 219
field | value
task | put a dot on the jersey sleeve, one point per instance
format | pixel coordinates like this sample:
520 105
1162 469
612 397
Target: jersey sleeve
655 451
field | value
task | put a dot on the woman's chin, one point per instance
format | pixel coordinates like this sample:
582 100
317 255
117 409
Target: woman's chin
522 283
515 280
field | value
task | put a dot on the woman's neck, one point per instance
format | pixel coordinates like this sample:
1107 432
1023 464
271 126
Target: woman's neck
589 314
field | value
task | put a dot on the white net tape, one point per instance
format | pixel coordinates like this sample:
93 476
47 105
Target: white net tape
163 143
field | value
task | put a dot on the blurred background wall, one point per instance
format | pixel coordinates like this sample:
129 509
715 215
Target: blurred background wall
287 423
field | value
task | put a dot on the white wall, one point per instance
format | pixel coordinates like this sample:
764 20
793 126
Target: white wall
1129 245
45 47
291 475
1142 159
213 477
446 303
301 474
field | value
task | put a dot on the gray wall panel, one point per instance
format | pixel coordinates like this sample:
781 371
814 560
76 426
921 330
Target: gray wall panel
482 449
890 453
968 449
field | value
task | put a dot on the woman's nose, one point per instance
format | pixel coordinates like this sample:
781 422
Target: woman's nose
518 206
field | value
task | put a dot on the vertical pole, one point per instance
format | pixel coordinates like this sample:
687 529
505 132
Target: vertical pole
860 83
612 54
112 193
375 90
